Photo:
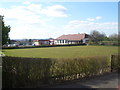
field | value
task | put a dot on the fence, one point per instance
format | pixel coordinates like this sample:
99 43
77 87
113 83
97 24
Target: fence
20 72
115 62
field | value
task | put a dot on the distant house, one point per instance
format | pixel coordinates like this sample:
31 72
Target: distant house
72 39
40 42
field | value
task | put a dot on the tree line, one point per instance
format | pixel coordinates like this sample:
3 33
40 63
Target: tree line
100 38
95 36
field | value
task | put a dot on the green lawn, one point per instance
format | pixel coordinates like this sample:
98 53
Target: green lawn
63 52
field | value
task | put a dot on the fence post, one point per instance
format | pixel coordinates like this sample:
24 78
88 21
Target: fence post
112 62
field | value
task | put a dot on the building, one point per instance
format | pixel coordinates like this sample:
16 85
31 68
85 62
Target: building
40 42
72 39
64 39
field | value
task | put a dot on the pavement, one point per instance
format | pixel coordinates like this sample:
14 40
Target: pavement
109 80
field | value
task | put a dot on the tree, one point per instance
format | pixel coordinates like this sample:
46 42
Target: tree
96 36
113 37
30 41
5 32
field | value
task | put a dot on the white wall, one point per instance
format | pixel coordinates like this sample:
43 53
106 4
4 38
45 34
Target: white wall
57 42
36 43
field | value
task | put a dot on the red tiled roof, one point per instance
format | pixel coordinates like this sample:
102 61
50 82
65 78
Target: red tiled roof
72 37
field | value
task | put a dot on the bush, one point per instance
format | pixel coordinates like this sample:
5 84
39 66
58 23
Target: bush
108 43
20 72
42 46
113 43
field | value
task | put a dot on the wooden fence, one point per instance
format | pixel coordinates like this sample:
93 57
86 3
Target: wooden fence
115 62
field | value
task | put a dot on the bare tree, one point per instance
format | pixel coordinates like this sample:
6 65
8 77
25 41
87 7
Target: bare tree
114 37
96 36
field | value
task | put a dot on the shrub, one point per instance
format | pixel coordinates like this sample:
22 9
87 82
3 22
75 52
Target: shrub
113 43
20 72
42 46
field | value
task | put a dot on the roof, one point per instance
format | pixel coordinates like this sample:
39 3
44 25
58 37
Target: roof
72 37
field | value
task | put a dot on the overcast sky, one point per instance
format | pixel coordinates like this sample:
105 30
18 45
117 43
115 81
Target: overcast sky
40 20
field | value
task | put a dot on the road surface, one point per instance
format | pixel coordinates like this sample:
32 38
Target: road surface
105 81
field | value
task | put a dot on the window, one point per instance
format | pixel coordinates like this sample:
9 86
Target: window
57 41
63 41
60 41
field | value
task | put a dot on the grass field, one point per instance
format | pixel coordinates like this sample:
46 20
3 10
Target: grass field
63 52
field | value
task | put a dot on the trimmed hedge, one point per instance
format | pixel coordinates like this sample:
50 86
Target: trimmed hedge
113 43
21 72
42 46
106 43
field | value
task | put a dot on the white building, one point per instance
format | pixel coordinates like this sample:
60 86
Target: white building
72 39
43 42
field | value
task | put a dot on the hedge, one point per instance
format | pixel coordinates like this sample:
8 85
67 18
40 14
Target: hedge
106 43
21 72
42 46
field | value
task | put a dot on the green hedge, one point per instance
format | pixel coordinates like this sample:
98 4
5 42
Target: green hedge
20 72
114 43
107 43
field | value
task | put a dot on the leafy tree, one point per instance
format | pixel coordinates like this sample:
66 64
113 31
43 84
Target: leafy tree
30 40
5 32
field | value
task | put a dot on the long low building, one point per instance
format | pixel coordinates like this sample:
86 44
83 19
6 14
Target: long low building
72 39
64 39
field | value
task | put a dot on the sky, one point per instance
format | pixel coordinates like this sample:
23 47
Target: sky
41 20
